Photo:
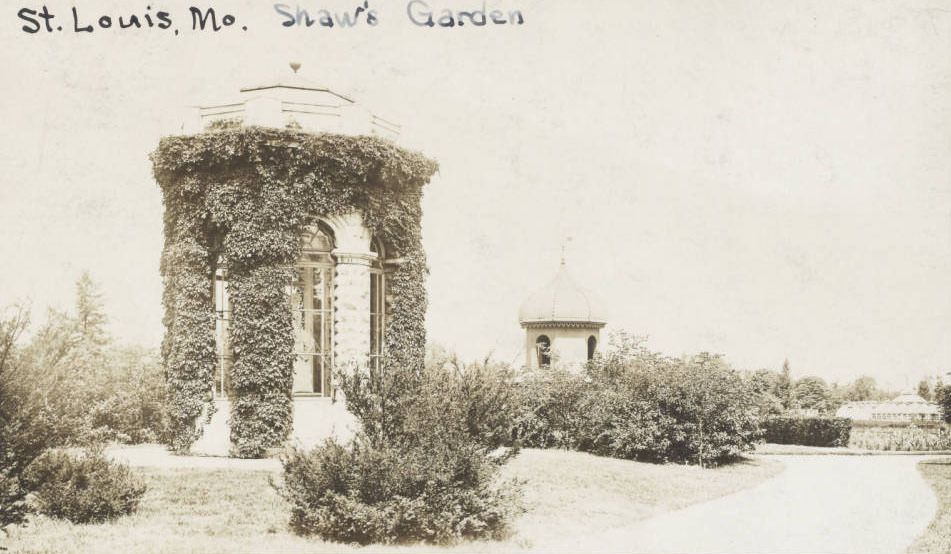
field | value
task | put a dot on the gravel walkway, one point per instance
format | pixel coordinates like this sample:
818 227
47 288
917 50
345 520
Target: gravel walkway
840 504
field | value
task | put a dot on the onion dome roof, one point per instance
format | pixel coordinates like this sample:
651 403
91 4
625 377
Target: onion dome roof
562 301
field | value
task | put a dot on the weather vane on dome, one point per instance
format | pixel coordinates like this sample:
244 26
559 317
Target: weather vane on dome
564 247
295 66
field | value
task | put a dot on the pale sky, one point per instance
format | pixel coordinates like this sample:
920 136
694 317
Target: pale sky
764 179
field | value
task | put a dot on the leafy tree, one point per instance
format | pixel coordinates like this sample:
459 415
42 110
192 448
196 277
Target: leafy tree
46 362
763 383
812 393
863 388
16 319
924 390
27 424
837 396
627 353
61 365
125 397
95 389
710 398
942 395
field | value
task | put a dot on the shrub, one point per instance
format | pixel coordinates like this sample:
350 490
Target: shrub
363 493
424 467
635 404
713 417
549 413
83 488
620 426
478 400
808 431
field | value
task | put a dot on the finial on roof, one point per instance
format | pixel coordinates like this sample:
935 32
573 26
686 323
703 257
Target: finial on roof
295 66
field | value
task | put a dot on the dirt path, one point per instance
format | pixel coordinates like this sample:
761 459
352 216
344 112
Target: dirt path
151 455
875 504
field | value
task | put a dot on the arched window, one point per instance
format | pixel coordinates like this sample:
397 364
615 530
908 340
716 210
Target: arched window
377 303
312 304
592 346
543 350
223 351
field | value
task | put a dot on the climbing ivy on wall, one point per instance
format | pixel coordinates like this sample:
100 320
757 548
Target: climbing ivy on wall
245 194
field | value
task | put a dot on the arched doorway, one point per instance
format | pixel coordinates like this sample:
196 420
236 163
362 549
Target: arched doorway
543 350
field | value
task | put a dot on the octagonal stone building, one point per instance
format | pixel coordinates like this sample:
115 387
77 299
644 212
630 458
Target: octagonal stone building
339 298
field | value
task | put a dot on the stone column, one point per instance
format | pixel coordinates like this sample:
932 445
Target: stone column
352 308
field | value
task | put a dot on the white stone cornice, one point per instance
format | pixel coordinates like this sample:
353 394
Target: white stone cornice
562 324
354 258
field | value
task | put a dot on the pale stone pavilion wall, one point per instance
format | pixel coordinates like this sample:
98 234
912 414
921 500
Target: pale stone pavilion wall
351 289
569 346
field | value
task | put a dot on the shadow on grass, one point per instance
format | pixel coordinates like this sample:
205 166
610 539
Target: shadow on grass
741 461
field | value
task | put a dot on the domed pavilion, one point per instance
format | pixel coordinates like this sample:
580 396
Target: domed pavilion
562 323
292 249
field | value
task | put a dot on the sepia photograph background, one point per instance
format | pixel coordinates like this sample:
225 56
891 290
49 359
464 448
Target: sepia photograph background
766 180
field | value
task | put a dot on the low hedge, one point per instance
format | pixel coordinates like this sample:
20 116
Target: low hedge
808 431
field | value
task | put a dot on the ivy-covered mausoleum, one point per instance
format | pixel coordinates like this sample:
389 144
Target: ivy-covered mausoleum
292 248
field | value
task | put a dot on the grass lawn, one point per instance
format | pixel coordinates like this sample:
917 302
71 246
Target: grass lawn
770 449
567 494
937 538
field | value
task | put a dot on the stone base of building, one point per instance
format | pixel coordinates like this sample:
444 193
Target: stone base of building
315 419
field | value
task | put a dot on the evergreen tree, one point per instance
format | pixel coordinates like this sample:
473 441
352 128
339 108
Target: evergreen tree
784 387
924 389
90 313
